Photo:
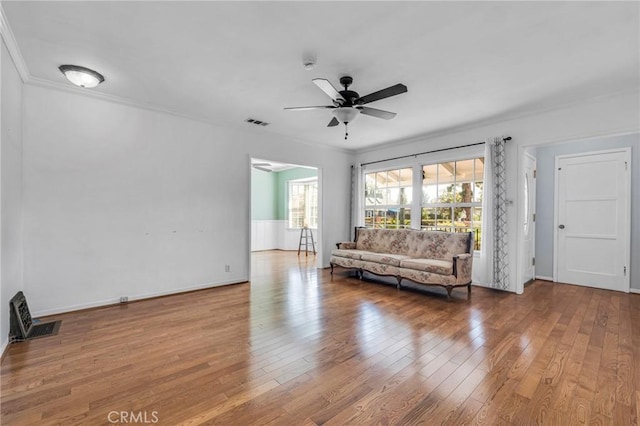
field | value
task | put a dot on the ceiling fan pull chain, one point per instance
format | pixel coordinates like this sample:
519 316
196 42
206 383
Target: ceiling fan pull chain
346 131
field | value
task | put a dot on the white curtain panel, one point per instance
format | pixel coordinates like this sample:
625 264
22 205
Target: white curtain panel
483 269
499 216
493 266
357 199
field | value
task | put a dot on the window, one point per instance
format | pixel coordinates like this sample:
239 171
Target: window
452 197
388 197
303 203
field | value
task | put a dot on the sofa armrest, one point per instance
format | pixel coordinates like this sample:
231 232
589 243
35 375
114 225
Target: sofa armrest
462 267
346 246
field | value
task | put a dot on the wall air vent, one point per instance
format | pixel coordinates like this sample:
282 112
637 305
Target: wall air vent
256 122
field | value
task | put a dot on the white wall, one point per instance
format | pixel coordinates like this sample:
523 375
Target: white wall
596 117
276 235
11 189
123 201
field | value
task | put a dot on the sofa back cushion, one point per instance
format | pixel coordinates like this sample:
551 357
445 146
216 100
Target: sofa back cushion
438 245
415 244
392 241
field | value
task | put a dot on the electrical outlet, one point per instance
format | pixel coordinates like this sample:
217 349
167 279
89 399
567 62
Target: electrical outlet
227 268
124 299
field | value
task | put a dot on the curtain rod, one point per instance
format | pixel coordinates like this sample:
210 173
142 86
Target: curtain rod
508 138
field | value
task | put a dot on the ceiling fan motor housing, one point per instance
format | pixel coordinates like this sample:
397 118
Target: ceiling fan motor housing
349 96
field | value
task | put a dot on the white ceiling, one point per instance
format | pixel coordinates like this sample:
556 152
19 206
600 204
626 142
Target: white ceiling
222 62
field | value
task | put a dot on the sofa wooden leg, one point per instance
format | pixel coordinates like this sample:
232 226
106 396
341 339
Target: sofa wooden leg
449 288
469 291
360 273
399 279
331 264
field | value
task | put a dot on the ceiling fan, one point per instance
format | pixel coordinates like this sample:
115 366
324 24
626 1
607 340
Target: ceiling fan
347 104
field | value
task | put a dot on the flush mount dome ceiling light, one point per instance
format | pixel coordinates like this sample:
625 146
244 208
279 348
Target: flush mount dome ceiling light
81 76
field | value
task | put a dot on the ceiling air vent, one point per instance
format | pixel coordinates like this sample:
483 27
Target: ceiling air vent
256 122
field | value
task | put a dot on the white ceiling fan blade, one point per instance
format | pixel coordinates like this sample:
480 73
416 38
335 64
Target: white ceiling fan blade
328 88
378 113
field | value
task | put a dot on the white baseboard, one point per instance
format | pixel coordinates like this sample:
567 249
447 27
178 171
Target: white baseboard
108 302
634 290
542 277
473 283
476 284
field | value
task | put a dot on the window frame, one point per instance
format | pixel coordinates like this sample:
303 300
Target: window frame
456 205
416 163
308 206
389 206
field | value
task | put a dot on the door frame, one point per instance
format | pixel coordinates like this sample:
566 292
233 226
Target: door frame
520 234
319 235
627 213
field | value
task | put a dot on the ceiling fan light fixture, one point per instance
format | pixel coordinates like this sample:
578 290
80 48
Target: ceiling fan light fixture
81 76
345 114
347 104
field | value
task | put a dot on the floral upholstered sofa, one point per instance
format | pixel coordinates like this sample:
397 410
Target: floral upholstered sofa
424 257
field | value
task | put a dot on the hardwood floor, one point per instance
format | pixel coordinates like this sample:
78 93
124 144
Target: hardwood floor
296 347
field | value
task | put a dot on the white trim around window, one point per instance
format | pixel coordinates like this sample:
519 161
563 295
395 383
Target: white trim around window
302 203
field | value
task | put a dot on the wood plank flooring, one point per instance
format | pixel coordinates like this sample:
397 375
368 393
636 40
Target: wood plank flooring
296 347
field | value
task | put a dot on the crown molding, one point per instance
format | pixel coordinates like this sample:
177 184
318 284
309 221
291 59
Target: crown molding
498 119
12 46
68 88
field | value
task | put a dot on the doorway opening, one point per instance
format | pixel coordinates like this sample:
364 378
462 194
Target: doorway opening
527 227
285 199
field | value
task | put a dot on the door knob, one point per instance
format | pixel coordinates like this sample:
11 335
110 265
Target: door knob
561 226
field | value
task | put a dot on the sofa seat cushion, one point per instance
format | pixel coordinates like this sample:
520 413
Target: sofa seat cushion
346 262
378 268
385 258
422 277
442 267
350 254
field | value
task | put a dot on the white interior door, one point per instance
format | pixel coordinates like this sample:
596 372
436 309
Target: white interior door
592 219
528 270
